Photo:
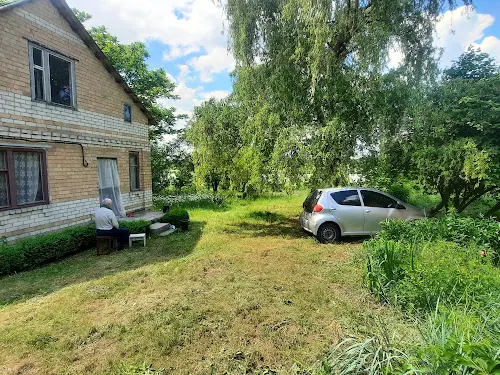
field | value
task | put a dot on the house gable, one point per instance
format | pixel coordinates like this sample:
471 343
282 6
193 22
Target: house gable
52 24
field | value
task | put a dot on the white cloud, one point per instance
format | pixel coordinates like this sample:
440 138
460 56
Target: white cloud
217 94
459 28
490 45
179 51
217 60
455 31
185 26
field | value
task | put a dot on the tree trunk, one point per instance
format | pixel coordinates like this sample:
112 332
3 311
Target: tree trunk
434 210
493 209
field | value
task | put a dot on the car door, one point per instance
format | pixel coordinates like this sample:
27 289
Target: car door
377 208
348 211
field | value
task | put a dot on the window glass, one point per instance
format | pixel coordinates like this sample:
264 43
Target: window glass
3 160
38 84
4 190
37 57
127 113
373 199
28 173
134 171
347 198
60 84
4 186
311 201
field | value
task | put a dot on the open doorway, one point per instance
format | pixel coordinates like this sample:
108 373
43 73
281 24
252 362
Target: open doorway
109 184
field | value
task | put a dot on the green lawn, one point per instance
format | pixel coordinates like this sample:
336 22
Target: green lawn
242 292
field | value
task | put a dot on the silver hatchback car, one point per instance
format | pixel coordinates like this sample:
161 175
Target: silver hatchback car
349 211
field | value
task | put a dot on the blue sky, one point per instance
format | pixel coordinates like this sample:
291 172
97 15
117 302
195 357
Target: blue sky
187 39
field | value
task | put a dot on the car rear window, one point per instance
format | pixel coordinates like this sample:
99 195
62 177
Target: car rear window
347 198
311 201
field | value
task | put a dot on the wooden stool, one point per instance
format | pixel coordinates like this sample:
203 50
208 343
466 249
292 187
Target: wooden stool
137 237
105 244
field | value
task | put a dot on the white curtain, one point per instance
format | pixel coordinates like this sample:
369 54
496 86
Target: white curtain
28 182
109 184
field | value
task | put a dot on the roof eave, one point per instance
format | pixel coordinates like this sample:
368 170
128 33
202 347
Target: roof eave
13 4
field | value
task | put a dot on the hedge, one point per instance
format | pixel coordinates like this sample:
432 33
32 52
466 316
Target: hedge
33 251
175 216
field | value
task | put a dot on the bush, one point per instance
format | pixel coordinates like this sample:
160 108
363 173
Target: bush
401 191
138 226
34 251
466 231
189 201
175 216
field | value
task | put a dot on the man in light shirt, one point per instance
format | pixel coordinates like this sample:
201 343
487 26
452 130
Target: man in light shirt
107 225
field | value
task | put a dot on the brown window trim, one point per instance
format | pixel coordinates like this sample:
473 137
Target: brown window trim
11 179
137 155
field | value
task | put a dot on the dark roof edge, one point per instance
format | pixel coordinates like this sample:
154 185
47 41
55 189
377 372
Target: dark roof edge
78 28
12 5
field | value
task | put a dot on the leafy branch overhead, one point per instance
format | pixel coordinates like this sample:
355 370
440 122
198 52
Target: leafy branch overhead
149 85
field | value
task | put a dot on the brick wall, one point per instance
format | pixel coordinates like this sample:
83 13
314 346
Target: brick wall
97 124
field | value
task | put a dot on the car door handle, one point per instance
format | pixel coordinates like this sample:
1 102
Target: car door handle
368 211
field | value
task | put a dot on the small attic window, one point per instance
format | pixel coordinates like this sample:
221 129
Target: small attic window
127 113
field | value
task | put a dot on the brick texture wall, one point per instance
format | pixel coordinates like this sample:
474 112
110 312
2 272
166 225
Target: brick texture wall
97 124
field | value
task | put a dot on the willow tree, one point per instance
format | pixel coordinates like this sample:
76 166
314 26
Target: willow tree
309 76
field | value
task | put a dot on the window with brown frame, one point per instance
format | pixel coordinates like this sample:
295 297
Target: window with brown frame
23 178
134 171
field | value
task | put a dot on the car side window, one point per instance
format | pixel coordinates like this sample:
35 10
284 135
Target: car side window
373 199
347 198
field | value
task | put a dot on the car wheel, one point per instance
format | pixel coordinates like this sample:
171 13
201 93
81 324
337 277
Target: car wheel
328 233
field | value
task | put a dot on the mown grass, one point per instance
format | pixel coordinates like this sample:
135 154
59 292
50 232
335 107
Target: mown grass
245 291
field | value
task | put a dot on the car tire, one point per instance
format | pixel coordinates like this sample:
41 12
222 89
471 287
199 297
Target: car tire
328 233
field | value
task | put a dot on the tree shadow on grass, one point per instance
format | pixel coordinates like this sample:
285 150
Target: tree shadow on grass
87 266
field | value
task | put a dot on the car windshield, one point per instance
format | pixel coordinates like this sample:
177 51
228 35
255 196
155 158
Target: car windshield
311 201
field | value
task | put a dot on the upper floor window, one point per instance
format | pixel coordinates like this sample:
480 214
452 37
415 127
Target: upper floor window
52 77
127 113
134 171
23 178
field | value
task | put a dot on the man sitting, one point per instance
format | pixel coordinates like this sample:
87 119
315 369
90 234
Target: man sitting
107 225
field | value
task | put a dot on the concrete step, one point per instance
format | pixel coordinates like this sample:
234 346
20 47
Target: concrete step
158 228
170 231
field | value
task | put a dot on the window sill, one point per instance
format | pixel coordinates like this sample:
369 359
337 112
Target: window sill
55 105
25 208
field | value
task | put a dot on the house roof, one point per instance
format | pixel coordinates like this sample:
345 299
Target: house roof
78 28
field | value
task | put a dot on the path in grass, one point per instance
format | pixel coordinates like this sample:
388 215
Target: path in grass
243 291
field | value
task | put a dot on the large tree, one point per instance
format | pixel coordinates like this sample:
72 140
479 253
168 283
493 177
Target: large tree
315 70
450 140
213 132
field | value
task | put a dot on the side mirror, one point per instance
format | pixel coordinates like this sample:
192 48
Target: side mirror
400 206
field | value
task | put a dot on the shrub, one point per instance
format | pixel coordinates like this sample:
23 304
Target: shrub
33 251
189 201
401 191
175 216
138 226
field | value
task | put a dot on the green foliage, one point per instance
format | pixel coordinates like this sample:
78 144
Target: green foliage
208 201
175 216
171 165
136 226
449 146
372 356
81 15
136 370
214 134
34 251
461 341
